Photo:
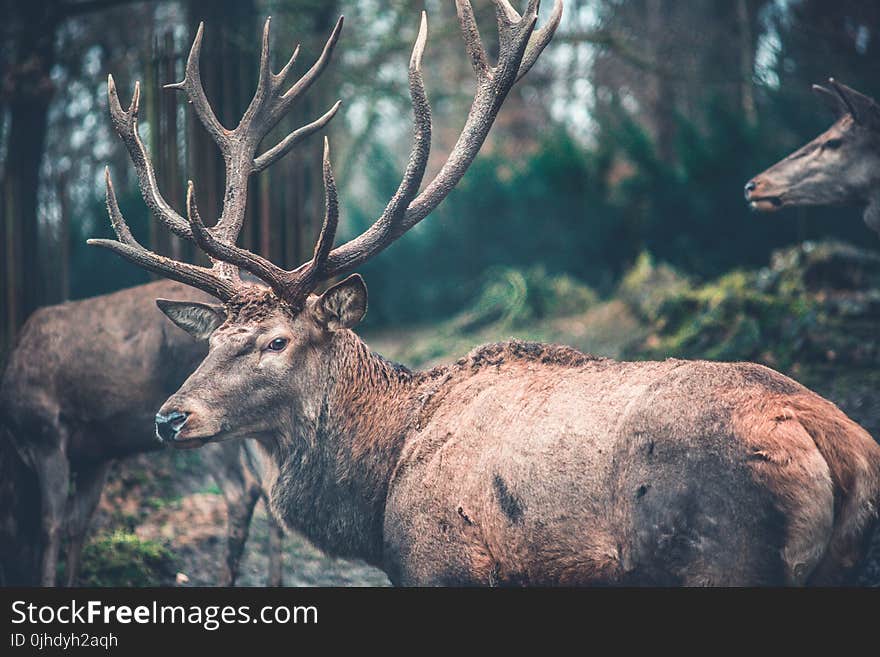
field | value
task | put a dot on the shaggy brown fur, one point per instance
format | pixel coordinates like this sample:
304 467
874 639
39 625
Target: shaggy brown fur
786 432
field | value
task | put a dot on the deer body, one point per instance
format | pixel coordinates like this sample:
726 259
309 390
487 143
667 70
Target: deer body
81 388
541 466
120 349
536 464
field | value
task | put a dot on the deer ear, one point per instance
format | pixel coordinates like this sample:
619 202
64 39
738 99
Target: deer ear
831 99
198 319
343 305
863 108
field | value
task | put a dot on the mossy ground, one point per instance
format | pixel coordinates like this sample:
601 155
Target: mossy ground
121 558
162 514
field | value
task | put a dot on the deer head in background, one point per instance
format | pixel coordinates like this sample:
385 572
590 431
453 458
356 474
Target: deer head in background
840 166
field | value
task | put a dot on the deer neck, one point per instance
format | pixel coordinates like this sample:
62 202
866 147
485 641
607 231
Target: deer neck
336 456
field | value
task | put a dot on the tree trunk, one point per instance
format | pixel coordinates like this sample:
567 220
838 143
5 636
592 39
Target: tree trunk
662 96
63 236
27 96
744 21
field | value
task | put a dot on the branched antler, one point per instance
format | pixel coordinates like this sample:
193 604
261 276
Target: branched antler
272 100
520 44
126 125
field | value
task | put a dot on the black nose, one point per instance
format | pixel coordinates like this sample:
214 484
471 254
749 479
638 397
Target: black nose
168 426
750 187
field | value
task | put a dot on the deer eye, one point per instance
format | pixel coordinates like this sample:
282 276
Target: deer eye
277 344
833 144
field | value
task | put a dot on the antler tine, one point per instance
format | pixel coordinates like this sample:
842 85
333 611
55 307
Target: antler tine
292 285
472 41
130 249
513 38
520 46
331 213
302 280
844 98
269 104
282 147
421 148
505 12
126 126
195 92
308 78
539 40
123 233
264 86
281 77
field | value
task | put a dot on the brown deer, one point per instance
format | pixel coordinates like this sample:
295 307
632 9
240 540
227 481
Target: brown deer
83 382
80 390
840 166
520 463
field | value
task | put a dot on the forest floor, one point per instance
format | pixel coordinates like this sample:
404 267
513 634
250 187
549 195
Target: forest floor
167 499
813 313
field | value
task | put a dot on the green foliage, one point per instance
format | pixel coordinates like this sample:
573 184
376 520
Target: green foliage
512 298
814 304
509 302
647 286
816 266
730 319
552 210
120 558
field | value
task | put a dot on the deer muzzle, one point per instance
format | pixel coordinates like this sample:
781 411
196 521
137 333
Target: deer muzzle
760 197
168 426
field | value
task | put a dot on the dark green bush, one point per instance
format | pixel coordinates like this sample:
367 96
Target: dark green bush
815 303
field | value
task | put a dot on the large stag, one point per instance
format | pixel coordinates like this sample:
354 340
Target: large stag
84 379
520 463
840 166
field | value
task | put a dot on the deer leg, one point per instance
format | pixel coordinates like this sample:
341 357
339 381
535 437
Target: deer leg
241 491
81 508
276 549
53 473
239 511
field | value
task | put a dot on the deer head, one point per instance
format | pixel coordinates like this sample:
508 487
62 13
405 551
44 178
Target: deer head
842 165
278 345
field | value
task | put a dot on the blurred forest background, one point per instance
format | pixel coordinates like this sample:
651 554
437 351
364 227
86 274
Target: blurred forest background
635 132
605 210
